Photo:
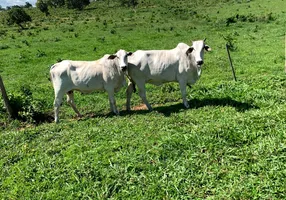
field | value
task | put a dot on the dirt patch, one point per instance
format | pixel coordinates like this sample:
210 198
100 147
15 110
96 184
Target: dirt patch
140 107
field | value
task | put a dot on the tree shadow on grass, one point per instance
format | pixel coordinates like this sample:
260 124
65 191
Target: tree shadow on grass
198 103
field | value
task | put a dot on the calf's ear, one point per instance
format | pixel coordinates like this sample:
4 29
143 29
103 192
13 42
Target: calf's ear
189 50
111 57
129 53
207 48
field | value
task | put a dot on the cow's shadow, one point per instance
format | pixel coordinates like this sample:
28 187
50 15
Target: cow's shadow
179 107
198 103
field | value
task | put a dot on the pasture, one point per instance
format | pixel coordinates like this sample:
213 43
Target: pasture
230 143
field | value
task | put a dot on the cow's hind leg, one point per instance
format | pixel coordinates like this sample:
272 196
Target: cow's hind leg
183 87
142 94
112 101
70 101
57 103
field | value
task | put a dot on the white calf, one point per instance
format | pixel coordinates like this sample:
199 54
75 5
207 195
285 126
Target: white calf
86 76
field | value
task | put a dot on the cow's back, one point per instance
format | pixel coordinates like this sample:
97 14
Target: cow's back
154 66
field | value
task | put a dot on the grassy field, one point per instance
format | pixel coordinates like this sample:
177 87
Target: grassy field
231 143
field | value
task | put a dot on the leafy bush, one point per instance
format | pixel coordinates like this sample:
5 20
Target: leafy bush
25 107
129 3
3 33
3 46
56 3
249 18
76 4
41 54
17 15
230 42
43 7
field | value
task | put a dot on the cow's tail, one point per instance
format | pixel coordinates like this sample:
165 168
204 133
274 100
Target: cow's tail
51 76
133 84
131 81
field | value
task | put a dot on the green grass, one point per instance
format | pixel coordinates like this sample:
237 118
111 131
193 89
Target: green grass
229 145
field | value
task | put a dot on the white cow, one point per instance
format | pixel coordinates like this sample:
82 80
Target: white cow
181 64
86 76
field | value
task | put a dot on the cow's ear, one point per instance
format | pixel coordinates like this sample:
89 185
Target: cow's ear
189 50
207 48
129 53
111 57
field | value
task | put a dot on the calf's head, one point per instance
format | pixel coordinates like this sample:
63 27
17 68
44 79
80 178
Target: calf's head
121 55
197 51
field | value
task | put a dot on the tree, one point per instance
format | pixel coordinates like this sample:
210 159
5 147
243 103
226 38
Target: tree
28 5
56 3
76 4
43 7
129 2
17 15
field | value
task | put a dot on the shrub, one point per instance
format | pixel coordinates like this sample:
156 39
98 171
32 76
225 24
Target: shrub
129 3
43 7
3 33
230 20
76 4
230 42
56 3
41 54
28 5
3 46
17 15
25 107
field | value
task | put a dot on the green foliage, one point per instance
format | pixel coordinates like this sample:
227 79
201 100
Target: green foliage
76 4
40 53
129 2
4 46
56 3
71 4
28 5
230 41
25 107
17 15
250 18
43 7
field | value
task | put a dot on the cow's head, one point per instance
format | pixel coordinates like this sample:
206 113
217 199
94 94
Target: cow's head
121 55
197 51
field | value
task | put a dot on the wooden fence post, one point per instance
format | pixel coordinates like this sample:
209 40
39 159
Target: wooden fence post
229 58
5 98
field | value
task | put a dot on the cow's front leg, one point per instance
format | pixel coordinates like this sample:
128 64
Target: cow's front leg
183 87
112 102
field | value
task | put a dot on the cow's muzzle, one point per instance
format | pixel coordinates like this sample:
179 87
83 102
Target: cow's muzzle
200 62
123 68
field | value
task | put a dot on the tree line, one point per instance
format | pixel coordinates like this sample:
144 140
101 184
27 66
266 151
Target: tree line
43 5
17 14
